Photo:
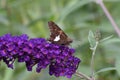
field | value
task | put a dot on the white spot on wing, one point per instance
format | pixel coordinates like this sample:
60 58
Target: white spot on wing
57 38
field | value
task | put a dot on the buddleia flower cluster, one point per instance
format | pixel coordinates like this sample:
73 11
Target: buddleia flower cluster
39 52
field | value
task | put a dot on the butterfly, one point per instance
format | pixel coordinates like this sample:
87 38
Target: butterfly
57 35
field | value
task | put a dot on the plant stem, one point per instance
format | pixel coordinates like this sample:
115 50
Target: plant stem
100 2
81 75
92 60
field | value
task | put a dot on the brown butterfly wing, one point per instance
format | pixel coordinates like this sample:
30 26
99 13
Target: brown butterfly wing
55 31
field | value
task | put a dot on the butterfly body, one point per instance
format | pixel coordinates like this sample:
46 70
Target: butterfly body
57 35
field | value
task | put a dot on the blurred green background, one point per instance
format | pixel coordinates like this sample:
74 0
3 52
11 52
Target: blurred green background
76 18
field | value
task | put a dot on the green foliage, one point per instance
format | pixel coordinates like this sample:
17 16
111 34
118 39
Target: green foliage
76 18
91 39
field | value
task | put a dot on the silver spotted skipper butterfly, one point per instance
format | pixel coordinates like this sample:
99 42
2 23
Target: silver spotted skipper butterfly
57 35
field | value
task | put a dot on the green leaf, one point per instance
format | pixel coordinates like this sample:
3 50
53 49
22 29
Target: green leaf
105 69
117 64
107 38
91 39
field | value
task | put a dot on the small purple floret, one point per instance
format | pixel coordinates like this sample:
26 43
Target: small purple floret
40 52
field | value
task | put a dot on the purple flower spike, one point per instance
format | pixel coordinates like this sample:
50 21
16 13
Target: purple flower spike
67 67
40 52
